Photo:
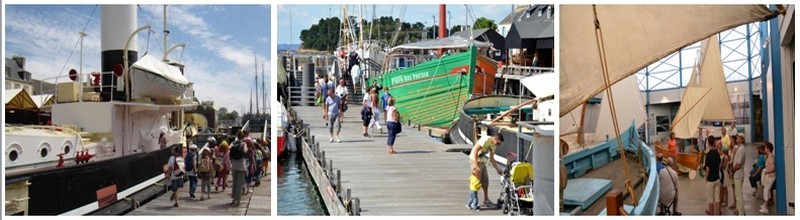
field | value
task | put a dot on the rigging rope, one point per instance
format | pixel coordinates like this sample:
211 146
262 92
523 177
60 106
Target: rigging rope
609 93
76 45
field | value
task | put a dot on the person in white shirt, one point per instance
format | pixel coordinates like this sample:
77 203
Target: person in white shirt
732 131
341 91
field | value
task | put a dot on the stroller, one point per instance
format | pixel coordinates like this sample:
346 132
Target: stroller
516 197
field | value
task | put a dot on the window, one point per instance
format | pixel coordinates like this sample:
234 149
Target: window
16 86
13 156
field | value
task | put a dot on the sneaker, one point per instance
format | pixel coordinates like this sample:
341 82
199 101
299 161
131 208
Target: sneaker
331 140
763 210
338 140
468 206
488 203
478 209
175 205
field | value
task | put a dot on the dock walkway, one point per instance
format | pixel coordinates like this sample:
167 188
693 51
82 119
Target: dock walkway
256 203
423 178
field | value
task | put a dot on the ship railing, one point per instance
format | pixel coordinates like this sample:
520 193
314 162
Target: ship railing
87 90
524 71
302 95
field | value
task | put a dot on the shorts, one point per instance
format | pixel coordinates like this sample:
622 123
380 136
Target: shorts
484 175
333 122
712 188
176 184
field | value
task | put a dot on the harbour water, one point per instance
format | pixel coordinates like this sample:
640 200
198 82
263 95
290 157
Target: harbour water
298 195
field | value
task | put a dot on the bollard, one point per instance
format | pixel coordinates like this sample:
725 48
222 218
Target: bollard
347 195
330 167
313 139
322 160
419 127
430 132
338 182
356 207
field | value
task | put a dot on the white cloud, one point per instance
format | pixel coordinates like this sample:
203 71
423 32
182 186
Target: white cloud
46 40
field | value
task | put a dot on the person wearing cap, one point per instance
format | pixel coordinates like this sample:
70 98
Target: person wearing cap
206 170
211 146
191 163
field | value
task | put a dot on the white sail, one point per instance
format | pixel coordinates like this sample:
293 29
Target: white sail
709 74
633 36
693 104
630 108
598 124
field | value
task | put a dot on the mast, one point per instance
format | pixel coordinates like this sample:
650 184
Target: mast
255 74
166 33
360 25
264 88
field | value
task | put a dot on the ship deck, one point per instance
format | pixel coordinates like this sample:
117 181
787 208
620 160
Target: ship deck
612 172
423 178
256 203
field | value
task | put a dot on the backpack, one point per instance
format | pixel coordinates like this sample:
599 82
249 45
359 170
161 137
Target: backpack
205 165
188 162
237 151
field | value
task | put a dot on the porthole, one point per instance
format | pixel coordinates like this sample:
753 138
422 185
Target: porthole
13 155
67 147
44 150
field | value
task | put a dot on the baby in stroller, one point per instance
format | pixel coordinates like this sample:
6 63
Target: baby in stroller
474 186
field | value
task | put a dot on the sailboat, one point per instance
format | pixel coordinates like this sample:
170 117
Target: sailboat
100 150
705 99
601 46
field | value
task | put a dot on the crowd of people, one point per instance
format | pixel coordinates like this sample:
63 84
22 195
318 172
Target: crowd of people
723 168
332 98
243 158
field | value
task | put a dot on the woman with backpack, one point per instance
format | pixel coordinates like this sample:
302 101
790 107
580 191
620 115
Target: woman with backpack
175 172
204 167
237 154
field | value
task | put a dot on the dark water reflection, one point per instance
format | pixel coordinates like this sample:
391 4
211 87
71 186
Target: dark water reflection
296 192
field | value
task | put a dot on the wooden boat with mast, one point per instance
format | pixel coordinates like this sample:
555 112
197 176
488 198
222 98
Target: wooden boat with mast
603 45
706 88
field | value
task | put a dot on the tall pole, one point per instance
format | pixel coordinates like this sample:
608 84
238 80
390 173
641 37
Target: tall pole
449 23
264 89
433 30
255 64
80 69
166 32
290 28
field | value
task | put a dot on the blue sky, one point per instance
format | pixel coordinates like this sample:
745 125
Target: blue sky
303 16
219 57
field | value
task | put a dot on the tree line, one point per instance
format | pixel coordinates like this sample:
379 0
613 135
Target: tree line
325 35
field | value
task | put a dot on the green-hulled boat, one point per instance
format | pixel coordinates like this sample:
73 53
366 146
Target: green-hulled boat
431 93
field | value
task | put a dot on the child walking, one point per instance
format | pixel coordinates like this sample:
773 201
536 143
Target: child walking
204 166
474 186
